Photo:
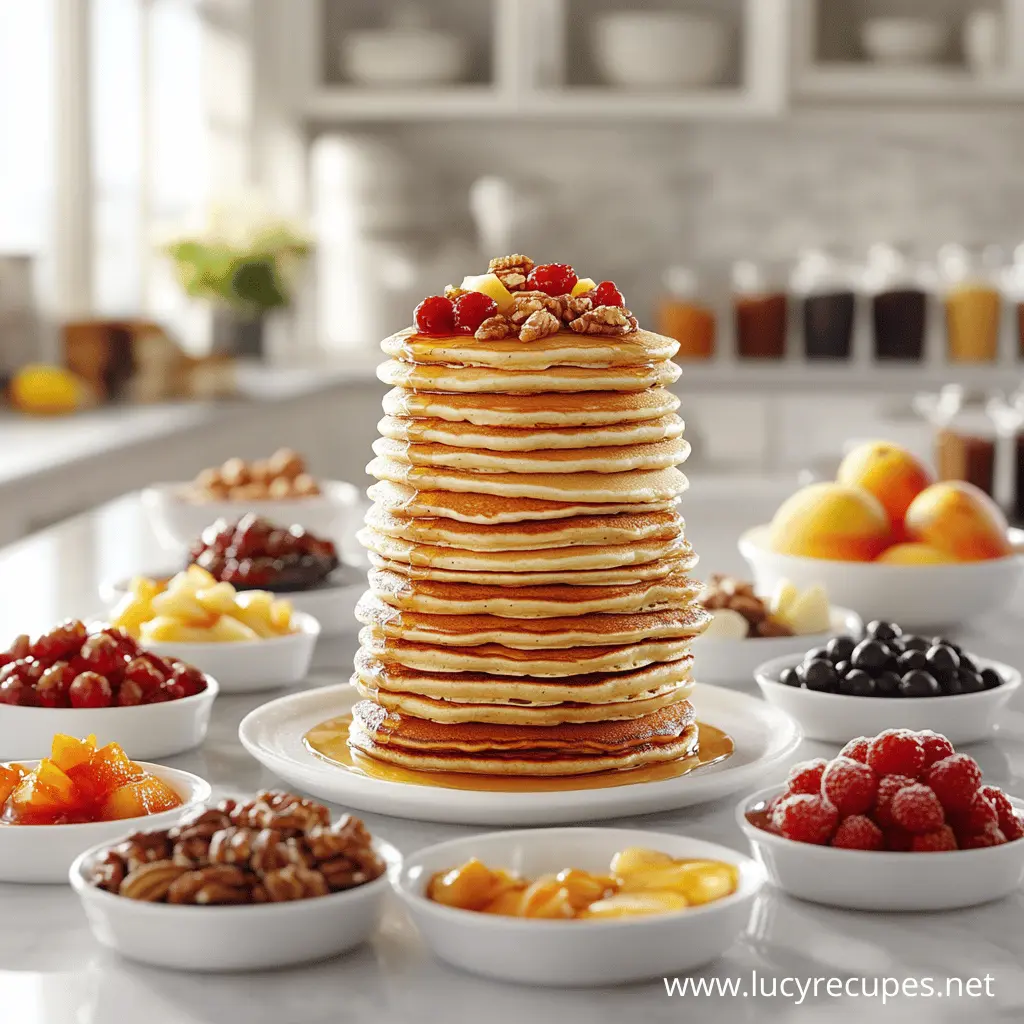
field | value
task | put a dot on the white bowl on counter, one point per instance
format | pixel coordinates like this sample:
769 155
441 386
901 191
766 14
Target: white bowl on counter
900 40
232 938
921 598
146 730
573 953
178 517
724 662
248 666
881 880
660 50
45 853
837 717
398 57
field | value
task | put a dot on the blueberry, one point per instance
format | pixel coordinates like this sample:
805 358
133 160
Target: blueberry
869 655
887 684
916 643
920 684
789 677
820 675
857 684
942 660
895 647
910 660
967 663
971 682
991 678
817 654
843 668
885 631
951 685
840 648
941 641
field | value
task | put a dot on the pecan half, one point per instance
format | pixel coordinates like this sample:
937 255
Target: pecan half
221 884
151 882
201 824
283 811
495 328
608 320
294 883
539 325
192 853
144 848
232 845
512 270
109 873
270 851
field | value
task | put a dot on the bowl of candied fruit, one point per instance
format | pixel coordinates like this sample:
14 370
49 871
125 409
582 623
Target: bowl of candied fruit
81 794
77 681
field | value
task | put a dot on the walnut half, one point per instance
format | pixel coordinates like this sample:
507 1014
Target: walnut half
541 324
607 320
512 270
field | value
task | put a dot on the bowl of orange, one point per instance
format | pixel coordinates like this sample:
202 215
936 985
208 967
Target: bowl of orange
890 542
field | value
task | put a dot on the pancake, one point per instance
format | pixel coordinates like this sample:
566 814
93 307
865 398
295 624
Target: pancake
623 528
611 459
567 348
570 749
480 687
587 408
465 507
525 439
564 559
673 591
634 486
484 380
530 634
511 661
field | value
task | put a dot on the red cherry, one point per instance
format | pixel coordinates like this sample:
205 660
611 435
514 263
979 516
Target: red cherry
553 278
435 315
130 694
189 679
127 645
472 309
56 645
143 674
21 648
90 690
102 654
17 691
606 294
54 683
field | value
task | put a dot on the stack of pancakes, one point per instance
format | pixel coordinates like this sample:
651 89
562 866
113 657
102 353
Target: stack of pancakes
529 610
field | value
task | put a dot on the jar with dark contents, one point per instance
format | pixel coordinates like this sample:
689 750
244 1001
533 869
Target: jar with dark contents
761 309
822 284
1012 281
899 287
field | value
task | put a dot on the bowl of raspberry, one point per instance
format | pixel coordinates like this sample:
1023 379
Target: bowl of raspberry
896 822
79 681
886 678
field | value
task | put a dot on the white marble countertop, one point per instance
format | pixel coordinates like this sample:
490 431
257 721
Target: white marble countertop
51 971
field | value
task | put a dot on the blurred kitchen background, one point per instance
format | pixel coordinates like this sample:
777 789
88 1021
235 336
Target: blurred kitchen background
212 210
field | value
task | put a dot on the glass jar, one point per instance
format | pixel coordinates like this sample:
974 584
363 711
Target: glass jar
761 310
824 283
972 301
898 284
965 448
686 314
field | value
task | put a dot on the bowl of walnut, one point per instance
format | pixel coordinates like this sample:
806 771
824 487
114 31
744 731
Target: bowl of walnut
239 886
279 488
747 627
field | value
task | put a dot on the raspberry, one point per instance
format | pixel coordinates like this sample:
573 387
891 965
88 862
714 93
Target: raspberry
978 816
898 840
90 690
606 294
435 315
805 777
472 309
896 752
955 780
990 837
849 786
936 747
1009 823
938 841
806 818
888 787
917 809
553 278
858 832
856 750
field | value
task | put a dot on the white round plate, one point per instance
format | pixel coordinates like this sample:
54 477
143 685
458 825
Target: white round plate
273 734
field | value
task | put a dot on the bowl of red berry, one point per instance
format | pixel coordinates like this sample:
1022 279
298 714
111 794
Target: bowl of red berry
81 682
899 821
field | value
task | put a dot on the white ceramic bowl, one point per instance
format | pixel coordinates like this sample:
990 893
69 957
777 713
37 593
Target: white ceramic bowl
178 519
878 880
903 40
918 597
397 57
232 938
836 717
147 730
247 666
573 952
44 853
660 49
730 662
333 604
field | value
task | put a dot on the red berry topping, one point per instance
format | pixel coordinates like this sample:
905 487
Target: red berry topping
888 787
917 809
54 684
979 815
990 837
955 780
806 818
856 750
553 278
17 691
435 315
805 777
20 648
849 786
188 679
936 747
90 690
66 639
472 309
858 832
938 841
1009 821
898 840
896 752
606 294
129 694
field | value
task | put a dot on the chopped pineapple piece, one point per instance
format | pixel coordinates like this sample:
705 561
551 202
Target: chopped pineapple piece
636 858
635 904
218 599
490 284
583 285
783 596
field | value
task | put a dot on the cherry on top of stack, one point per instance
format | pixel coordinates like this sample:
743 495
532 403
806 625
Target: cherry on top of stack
529 610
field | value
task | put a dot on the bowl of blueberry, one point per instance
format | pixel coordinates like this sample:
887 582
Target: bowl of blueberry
886 678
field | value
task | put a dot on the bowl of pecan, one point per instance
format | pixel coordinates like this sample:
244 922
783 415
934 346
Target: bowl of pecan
239 886
747 628
279 488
